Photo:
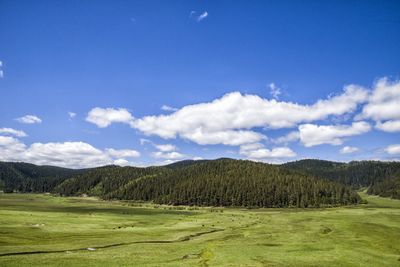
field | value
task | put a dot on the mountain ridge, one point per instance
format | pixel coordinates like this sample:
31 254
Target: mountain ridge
220 182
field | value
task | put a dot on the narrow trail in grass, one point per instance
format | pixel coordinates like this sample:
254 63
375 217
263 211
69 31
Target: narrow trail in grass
181 239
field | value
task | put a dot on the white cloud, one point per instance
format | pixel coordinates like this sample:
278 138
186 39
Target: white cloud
384 102
348 150
67 154
229 120
11 131
123 153
168 108
10 148
29 119
124 162
264 153
167 152
202 16
166 147
312 135
383 106
253 146
191 14
257 151
103 117
226 137
290 137
71 114
274 90
226 120
168 155
1 73
393 149
389 126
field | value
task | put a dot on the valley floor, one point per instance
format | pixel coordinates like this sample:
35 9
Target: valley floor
42 230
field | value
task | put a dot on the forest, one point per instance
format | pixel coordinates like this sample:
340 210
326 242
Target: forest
220 182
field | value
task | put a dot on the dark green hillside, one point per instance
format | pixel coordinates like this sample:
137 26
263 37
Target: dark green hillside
227 182
386 188
356 174
105 180
222 182
25 177
183 163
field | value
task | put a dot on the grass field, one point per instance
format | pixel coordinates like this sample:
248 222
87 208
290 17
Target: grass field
42 230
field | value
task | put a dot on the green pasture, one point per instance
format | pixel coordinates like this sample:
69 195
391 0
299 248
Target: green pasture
43 230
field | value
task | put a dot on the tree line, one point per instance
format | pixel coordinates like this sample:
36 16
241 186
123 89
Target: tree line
222 182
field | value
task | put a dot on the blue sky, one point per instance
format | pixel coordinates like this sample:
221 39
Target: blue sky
238 76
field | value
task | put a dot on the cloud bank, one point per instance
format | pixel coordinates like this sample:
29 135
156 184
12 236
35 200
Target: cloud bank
66 154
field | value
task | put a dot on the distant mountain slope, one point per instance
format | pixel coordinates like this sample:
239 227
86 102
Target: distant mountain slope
183 163
26 177
224 182
228 182
356 174
105 180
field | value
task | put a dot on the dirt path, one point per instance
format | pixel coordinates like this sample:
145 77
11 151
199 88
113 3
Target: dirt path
181 239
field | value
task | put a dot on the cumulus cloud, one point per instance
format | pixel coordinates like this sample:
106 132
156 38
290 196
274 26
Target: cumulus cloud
227 120
393 149
253 146
312 135
11 149
383 105
274 90
168 155
348 150
264 153
103 117
10 131
230 120
290 137
168 108
122 162
389 126
29 119
123 153
227 137
202 16
66 154
166 147
384 102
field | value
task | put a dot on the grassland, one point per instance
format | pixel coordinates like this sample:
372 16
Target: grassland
42 230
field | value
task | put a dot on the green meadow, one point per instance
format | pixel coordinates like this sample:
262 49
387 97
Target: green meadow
44 230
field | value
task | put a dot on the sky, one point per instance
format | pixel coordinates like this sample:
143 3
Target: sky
90 83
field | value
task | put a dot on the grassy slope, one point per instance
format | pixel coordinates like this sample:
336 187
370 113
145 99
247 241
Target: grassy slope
349 236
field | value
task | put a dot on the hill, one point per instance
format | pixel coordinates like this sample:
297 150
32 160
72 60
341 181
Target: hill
222 182
355 173
26 177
